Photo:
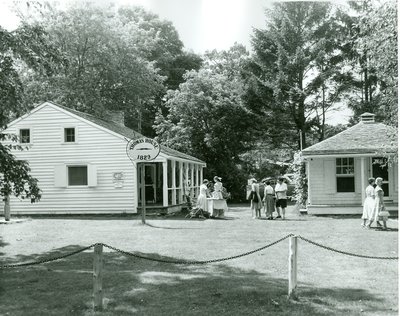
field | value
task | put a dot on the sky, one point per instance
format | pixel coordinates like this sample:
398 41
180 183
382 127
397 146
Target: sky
202 24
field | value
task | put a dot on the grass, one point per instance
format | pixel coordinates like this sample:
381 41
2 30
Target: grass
329 283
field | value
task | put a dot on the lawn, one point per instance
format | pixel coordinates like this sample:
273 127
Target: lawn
329 283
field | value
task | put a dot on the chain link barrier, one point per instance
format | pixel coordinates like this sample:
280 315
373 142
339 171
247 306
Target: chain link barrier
189 262
344 252
46 260
193 262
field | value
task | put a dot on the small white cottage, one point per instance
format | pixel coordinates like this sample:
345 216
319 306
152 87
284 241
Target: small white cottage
338 168
83 168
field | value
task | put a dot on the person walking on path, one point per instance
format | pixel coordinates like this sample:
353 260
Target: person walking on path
269 201
255 199
380 212
369 202
281 197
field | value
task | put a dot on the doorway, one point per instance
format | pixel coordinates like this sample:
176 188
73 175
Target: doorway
150 183
380 169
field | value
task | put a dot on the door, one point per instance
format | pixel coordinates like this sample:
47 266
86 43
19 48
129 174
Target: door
150 183
380 169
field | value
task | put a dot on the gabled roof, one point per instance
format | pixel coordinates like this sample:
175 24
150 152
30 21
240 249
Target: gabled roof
362 138
123 131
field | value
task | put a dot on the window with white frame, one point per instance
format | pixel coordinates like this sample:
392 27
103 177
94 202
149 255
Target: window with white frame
77 175
345 175
25 136
69 135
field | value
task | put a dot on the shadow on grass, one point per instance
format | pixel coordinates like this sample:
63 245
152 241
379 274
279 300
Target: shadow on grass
2 244
143 287
176 228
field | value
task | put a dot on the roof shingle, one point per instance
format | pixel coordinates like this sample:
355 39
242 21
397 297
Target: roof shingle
362 138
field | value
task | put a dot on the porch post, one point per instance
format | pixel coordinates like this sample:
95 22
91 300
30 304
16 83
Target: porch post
180 181
197 179
165 183
363 172
308 183
192 184
173 162
201 174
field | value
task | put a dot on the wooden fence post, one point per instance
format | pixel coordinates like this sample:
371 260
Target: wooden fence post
292 267
7 211
98 277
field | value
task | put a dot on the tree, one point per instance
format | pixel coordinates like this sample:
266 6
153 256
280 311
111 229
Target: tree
378 40
117 58
296 67
207 117
25 45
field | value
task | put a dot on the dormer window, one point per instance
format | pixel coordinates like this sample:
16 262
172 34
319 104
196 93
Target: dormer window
25 136
69 135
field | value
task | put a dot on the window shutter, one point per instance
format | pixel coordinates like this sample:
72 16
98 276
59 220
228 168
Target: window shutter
329 176
92 176
60 176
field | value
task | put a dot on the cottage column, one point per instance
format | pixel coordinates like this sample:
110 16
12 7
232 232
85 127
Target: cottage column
165 183
181 187
173 182
192 184
187 178
201 174
308 182
363 173
197 180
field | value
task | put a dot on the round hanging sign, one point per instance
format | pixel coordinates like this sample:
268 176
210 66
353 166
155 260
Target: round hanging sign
142 149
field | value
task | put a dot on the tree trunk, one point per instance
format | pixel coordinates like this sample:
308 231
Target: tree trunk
7 213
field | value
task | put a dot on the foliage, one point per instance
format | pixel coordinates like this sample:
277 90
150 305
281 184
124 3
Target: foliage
15 175
295 68
372 54
300 179
116 59
24 47
207 117
378 37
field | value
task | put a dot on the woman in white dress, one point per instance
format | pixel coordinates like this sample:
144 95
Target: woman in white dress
369 202
217 194
380 212
220 206
202 198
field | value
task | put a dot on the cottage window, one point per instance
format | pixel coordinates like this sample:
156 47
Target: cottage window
69 135
25 136
77 175
345 175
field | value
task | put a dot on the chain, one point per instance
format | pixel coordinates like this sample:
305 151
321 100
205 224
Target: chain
197 261
46 260
344 252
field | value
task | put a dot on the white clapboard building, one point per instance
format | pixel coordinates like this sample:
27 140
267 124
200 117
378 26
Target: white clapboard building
82 166
338 168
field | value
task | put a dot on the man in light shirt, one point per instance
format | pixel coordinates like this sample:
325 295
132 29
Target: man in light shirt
281 197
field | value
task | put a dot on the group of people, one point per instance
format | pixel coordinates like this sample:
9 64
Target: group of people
374 208
275 199
205 193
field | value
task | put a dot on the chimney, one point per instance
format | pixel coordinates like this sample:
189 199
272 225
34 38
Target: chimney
367 118
117 117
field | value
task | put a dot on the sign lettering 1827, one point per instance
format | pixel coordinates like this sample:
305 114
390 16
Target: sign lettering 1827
142 149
